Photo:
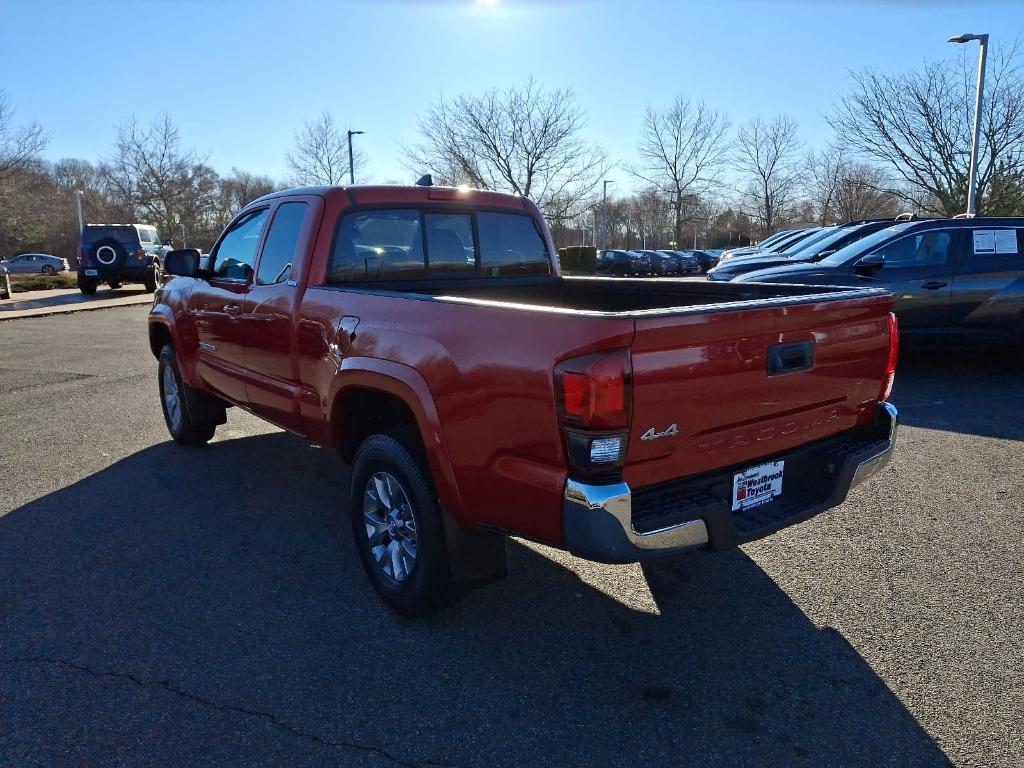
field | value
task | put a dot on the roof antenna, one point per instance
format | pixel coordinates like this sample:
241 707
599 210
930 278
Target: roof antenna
426 180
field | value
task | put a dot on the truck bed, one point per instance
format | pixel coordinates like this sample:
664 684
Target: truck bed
618 297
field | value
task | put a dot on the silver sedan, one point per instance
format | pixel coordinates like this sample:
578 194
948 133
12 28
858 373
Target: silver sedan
35 263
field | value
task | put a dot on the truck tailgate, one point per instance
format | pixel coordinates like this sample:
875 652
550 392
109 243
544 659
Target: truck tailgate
739 384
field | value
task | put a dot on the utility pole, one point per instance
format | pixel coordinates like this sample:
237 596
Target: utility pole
351 161
183 245
972 183
606 183
78 201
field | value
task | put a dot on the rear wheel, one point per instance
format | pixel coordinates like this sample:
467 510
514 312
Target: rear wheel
191 417
398 527
114 285
86 285
48 269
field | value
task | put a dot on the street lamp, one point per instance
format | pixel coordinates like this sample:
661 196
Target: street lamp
972 184
605 206
351 164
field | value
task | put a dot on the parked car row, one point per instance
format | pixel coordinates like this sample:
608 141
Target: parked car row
946 274
653 262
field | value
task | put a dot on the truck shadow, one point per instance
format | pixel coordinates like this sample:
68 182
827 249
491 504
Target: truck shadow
223 580
961 387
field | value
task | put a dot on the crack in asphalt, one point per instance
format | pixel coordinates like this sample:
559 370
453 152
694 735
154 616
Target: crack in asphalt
267 716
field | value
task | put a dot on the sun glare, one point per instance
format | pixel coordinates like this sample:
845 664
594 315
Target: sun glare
485 3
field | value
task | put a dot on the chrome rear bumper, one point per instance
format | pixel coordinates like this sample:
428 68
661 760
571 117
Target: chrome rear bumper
598 519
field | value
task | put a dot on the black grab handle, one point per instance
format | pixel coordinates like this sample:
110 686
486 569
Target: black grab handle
790 358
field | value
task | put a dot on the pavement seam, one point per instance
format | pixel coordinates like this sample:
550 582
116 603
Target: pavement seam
267 716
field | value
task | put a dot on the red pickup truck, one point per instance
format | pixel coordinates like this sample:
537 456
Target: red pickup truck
428 335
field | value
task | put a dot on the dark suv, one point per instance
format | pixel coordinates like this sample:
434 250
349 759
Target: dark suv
120 253
616 262
946 274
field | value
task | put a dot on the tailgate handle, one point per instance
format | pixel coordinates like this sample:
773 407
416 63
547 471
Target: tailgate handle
790 358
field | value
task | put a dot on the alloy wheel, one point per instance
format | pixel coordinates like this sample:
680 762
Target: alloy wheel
390 525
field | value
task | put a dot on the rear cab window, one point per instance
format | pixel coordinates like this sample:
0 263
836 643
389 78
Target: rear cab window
417 243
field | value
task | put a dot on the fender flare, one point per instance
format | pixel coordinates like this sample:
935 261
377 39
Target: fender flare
163 315
409 386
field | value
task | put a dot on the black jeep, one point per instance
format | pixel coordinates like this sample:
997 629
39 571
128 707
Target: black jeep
120 253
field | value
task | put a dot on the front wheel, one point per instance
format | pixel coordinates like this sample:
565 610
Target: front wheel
152 278
191 416
398 527
48 270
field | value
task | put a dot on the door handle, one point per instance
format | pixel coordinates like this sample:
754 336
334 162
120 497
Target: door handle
933 285
232 309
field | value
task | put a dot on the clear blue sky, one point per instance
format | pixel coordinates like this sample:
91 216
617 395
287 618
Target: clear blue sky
240 77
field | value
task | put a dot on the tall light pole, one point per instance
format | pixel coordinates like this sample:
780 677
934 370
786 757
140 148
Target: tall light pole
605 206
351 162
972 184
78 201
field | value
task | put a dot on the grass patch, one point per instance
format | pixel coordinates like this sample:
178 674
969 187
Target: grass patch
25 283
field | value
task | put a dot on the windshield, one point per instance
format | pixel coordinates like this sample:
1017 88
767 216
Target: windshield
806 242
818 244
795 237
865 244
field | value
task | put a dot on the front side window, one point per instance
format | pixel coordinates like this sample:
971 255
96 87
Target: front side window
450 243
925 249
282 243
377 245
511 245
236 253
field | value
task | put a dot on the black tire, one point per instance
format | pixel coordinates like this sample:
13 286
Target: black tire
152 278
114 285
48 269
197 415
110 253
86 285
424 587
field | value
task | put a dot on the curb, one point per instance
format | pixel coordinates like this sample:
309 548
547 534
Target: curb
21 314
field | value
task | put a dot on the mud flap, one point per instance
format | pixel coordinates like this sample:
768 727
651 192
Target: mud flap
476 558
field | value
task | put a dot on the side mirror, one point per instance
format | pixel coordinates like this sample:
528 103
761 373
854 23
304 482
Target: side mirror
870 263
184 262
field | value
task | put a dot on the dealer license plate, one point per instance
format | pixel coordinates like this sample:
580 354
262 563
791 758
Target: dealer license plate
91 273
757 485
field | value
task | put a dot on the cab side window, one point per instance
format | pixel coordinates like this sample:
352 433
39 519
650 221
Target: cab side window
925 249
282 243
236 254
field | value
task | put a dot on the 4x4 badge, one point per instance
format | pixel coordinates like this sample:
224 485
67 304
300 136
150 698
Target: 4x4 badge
653 434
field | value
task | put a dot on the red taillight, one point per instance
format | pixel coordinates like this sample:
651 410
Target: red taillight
140 254
594 390
894 353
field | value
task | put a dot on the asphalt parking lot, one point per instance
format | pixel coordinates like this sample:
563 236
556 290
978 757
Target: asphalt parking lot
166 606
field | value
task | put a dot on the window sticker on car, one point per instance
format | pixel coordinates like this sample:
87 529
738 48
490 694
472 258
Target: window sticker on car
984 242
1006 241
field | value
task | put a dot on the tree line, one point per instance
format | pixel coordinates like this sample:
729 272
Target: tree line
901 142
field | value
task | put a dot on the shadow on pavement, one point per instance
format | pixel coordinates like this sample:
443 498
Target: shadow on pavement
971 388
207 606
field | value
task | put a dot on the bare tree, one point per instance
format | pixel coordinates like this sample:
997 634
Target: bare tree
766 157
844 189
919 124
321 154
682 150
237 190
161 183
20 145
523 140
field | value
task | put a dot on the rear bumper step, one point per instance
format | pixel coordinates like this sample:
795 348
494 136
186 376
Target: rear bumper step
613 524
